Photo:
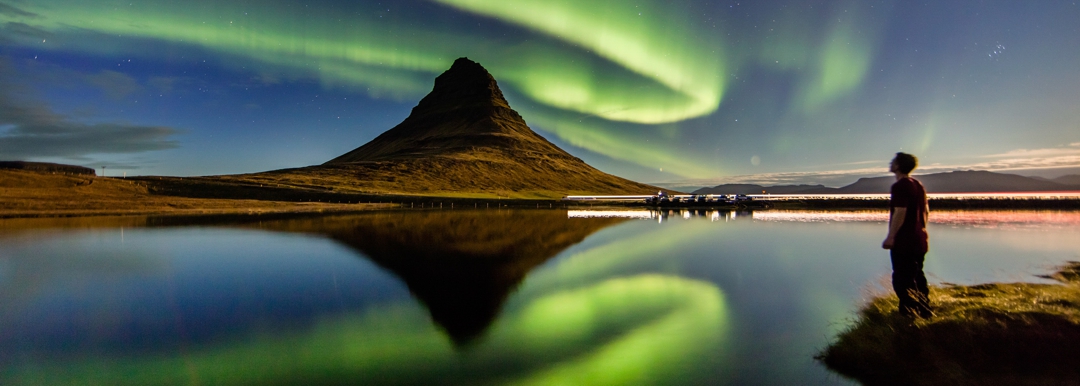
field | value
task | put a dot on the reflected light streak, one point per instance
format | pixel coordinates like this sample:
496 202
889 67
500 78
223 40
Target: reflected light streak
974 218
1000 218
820 216
931 196
639 214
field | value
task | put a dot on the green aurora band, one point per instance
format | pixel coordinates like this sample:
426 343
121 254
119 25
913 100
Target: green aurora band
619 65
638 38
664 326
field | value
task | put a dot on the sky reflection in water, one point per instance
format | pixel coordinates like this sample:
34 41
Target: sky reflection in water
696 297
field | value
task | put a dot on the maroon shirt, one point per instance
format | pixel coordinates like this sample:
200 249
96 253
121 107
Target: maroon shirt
912 237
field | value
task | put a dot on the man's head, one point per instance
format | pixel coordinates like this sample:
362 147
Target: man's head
903 163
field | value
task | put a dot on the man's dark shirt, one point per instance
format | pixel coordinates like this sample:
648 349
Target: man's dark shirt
909 193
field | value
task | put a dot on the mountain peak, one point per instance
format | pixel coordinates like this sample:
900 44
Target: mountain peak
465 84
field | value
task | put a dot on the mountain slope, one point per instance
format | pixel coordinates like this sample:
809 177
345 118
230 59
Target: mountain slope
1072 179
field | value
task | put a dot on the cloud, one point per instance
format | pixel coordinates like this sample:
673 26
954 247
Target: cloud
1065 156
31 129
12 11
1070 149
12 31
161 84
115 85
16 29
36 131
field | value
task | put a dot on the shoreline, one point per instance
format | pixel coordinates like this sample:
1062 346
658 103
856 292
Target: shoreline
992 333
210 208
29 194
161 205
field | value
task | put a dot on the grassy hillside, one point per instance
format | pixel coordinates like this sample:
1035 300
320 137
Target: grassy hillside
28 194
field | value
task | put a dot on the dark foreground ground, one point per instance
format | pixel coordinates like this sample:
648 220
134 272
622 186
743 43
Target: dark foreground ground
987 334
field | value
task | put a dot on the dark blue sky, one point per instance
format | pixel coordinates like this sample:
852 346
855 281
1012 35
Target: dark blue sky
712 91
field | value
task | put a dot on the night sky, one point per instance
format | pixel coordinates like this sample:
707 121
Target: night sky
677 91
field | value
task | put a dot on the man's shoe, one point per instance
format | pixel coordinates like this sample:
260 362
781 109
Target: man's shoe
926 313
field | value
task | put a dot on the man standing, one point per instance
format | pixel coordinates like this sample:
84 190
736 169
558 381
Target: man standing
907 241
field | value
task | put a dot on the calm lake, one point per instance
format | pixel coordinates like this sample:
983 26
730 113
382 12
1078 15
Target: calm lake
471 297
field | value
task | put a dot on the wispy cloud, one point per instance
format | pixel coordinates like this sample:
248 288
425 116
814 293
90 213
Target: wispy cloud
1067 150
1065 156
13 31
29 128
115 85
12 11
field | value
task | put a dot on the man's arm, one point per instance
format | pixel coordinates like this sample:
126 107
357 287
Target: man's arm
926 214
898 216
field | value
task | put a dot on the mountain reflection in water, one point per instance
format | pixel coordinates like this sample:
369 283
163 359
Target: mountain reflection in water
245 301
462 264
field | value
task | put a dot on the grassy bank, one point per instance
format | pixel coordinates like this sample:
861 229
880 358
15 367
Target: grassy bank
34 194
998 333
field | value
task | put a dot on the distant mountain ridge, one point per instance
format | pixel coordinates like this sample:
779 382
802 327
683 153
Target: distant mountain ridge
1072 179
968 181
46 167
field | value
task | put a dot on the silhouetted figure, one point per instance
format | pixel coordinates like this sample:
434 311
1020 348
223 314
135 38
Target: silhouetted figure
907 239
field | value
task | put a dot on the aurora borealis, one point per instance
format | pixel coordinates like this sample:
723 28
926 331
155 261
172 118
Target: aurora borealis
784 91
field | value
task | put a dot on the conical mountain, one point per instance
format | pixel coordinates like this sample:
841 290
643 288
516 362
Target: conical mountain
462 139
464 113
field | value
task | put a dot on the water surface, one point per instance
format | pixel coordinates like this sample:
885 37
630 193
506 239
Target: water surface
476 297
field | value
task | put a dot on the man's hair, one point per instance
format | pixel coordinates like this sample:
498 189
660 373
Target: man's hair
906 162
